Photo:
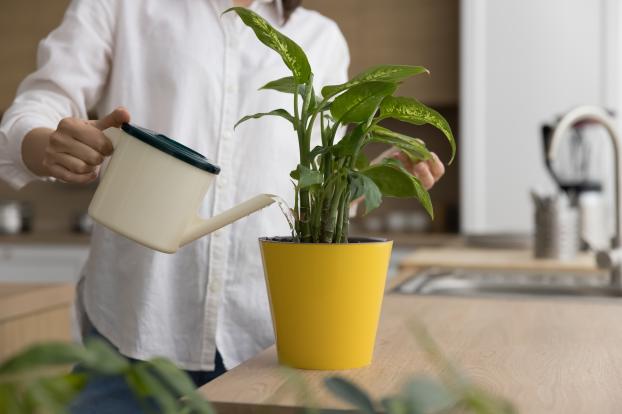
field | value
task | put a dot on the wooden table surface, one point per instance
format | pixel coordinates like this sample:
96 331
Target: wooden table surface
508 259
547 356
19 299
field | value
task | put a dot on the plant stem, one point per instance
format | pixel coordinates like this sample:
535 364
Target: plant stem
330 222
342 218
304 140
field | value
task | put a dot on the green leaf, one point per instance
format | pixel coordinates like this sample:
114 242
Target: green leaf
426 396
394 181
350 392
181 383
10 400
103 358
361 161
285 85
319 150
413 147
293 56
41 355
288 85
385 73
414 112
165 399
394 405
361 185
39 398
348 144
306 177
277 112
360 102
55 393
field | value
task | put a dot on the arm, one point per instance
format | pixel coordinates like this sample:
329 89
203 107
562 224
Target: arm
72 70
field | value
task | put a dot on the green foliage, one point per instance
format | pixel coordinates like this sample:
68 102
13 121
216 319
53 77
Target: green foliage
384 73
292 55
350 392
38 379
277 112
330 176
360 102
412 111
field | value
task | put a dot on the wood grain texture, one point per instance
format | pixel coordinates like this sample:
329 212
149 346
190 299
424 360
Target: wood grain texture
18 300
33 313
23 23
508 259
51 324
547 356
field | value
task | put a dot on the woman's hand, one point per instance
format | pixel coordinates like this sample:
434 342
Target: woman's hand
428 172
77 148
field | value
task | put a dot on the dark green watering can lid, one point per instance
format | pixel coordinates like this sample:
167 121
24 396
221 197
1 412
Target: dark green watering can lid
171 147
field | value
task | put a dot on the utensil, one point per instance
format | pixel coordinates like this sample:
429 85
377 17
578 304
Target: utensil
153 187
11 219
556 227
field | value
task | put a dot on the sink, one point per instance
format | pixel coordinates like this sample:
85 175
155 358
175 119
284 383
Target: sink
476 282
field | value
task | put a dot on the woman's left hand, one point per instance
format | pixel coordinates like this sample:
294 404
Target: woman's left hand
428 172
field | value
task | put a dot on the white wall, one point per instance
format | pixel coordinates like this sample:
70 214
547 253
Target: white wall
522 63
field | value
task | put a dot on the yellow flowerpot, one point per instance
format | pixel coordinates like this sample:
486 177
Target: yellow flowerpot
325 300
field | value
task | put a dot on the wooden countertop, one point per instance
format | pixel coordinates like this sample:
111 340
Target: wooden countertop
20 299
47 238
547 356
480 258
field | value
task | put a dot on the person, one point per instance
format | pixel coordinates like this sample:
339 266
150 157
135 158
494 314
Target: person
183 69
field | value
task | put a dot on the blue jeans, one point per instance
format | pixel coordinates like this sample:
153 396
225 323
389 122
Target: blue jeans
112 395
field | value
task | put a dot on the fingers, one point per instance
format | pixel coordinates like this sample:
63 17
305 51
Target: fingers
428 172
62 173
78 147
422 171
114 119
72 130
69 145
437 168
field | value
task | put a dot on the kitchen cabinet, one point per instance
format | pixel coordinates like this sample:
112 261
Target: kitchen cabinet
23 23
21 263
523 62
33 313
413 32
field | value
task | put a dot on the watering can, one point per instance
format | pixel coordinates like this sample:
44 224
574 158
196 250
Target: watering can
153 187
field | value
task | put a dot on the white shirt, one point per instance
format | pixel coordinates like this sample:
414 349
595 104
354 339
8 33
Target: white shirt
183 70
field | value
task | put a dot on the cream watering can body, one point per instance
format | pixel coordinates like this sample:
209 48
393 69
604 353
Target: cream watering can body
153 188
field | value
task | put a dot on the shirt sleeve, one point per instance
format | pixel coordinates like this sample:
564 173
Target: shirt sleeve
73 63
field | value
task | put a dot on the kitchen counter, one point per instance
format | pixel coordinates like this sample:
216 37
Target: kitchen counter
34 312
46 238
462 257
547 356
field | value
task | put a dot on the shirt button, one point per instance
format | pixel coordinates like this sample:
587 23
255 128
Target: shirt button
227 134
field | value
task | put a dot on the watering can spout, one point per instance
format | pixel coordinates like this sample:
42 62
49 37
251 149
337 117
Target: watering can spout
199 227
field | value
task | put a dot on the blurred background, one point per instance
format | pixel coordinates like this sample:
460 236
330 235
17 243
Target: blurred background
501 71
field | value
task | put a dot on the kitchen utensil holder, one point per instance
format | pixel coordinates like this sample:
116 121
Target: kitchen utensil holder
556 231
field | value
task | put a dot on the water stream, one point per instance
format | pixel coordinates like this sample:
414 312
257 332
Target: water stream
287 212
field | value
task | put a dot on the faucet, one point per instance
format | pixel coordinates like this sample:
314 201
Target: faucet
608 259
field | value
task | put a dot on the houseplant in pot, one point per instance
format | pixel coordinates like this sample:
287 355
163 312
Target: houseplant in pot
326 288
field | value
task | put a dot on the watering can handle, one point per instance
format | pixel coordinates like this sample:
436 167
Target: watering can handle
200 227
